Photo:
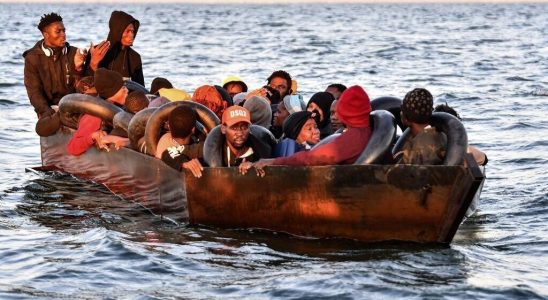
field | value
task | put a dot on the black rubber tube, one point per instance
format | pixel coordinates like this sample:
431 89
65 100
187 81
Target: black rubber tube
72 106
160 116
382 138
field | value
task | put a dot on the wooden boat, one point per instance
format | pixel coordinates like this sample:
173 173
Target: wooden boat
371 202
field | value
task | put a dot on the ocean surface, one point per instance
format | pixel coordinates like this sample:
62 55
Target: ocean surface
63 237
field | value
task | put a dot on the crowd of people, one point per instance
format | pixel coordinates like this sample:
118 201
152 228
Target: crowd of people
54 69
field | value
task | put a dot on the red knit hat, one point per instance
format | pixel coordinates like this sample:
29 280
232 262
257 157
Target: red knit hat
353 107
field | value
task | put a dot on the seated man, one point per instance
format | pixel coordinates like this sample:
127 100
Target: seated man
239 144
336 124
135 102
336 89
426 146
162 87
234 85
186 152
353 109
301 133
110 86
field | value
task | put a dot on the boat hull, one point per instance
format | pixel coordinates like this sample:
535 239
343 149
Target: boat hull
132 175
362 202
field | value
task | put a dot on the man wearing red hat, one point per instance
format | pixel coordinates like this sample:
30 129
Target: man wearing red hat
353 110
239 144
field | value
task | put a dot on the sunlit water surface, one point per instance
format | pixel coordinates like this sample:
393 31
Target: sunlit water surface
61 237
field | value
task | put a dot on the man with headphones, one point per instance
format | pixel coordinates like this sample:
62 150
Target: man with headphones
52 68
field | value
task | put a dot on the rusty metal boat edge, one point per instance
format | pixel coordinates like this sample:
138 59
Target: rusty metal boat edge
424 204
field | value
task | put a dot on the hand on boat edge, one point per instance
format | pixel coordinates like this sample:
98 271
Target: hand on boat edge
260 164
194 166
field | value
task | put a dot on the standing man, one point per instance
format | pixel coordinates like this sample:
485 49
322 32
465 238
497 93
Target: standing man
52 68
116 53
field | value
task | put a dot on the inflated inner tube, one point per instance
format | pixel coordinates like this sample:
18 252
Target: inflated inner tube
213 151
120 122
135 86
160 116
457 139
72 106
382 138
213 145
136 127
391 104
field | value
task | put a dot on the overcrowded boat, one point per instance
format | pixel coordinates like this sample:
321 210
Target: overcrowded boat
367 201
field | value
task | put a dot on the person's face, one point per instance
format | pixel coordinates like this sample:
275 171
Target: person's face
335 92
313 106
280 115
281 85
237 134
335 122
309 133
54 35
120 96
234 88
128 36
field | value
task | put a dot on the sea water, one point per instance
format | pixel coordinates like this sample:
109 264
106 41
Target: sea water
62 237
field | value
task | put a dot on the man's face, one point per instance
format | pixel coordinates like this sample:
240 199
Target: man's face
281 85
234 88
128 36
237 134
280 115
335 92
54 35
120 96
335 122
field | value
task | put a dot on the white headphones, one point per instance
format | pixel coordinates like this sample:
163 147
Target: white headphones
49 52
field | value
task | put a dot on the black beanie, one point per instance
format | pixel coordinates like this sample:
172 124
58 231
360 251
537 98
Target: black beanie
323 100
294 123
107 82
417 106
159 83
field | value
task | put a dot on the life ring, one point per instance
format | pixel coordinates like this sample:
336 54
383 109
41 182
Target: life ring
135 86
72 106
213 145
382 138
391 104
136 127
156 121
457 139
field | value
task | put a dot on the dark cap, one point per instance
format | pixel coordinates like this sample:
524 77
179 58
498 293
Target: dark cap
418 105
294 123
107 82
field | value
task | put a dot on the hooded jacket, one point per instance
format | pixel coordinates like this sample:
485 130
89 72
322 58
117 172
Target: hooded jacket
126 61
47 79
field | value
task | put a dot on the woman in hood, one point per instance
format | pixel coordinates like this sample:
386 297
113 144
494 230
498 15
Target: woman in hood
120 57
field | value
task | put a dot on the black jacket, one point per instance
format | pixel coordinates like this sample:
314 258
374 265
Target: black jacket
47 79
126 61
